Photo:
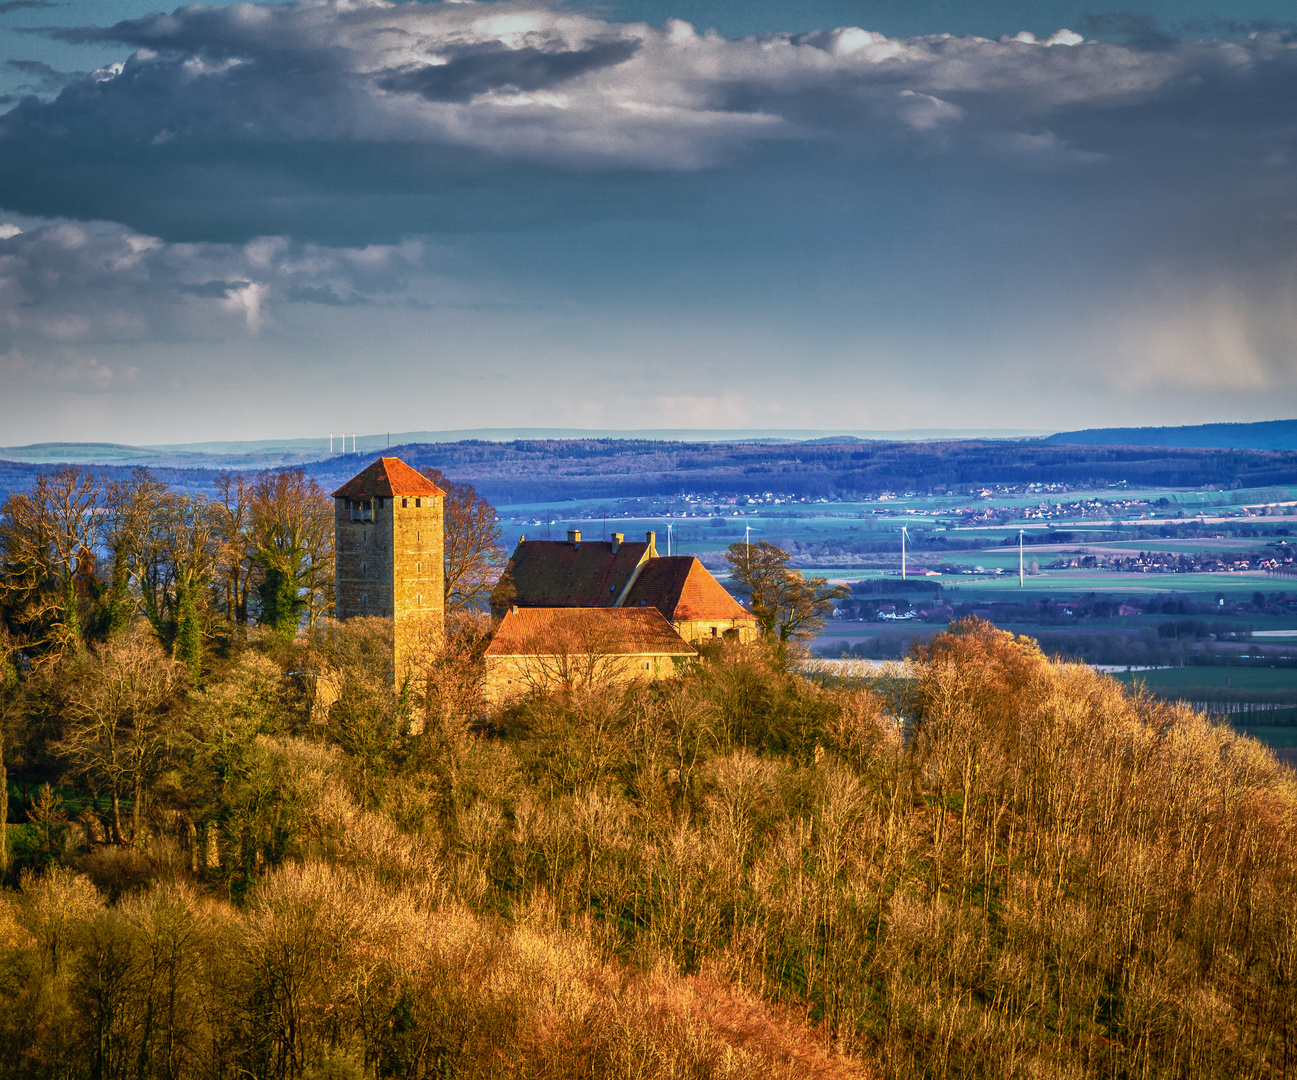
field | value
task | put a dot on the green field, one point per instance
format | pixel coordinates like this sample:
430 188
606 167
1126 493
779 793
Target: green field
1276 738
1182 679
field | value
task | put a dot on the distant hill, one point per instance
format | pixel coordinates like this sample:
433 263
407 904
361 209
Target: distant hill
273 453
1265 435
547 471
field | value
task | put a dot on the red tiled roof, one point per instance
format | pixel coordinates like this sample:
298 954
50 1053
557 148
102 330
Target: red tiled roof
558 573
384 478
547 631
682 588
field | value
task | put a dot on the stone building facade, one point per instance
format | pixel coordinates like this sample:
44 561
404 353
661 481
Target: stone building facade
389 555
570 648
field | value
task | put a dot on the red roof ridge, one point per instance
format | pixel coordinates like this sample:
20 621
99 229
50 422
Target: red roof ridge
683 589
385 477
535 631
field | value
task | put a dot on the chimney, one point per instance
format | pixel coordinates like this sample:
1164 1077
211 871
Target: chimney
651 538
574 537
617 538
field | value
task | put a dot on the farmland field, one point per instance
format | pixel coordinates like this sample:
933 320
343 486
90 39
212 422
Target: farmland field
1184 679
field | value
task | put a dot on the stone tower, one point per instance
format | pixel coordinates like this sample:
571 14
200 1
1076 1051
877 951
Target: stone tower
388 554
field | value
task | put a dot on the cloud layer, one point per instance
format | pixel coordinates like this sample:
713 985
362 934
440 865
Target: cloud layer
441 90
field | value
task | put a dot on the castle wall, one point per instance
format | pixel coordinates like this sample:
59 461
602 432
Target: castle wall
695 631
418 575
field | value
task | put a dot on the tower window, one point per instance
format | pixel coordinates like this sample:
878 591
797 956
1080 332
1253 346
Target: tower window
405 503
418 536
419 600
418 503
364 569
364 600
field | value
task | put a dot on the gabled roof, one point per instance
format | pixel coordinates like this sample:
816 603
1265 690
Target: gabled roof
384 478
548 631
682 589
559 573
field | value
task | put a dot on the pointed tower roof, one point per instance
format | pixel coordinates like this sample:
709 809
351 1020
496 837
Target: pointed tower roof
384 478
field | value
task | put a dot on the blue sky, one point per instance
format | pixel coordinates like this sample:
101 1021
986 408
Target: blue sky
281 220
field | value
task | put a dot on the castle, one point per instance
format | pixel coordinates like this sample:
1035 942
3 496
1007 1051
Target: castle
560 606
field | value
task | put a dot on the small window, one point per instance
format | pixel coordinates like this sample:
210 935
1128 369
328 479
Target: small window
405 503
418 568
418 503
713 631
364 534
418 600
364 569
364 600
418 536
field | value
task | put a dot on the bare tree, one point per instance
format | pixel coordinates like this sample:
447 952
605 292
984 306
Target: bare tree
176 569
472 544
291 538
233 507
122 721
124 527
786 604
47 535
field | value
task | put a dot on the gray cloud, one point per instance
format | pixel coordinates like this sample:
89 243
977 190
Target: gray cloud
25 5
67 284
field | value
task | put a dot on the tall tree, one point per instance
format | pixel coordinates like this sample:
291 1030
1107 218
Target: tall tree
47 542
124 527
786 604
291 538
121 721
176 572
233 506
473 553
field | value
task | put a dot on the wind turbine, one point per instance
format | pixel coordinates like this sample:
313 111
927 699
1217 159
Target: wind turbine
1022 581
668 539
903 535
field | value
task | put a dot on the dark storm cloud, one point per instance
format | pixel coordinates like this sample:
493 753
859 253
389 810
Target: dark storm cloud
1140 30
41 77
25 5
492 65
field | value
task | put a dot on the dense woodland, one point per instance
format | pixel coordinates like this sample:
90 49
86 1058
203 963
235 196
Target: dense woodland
246 852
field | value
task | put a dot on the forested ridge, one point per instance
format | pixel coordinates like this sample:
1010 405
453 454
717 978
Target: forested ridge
238 849
558 469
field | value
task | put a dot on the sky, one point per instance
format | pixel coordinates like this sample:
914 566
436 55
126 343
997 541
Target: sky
284 220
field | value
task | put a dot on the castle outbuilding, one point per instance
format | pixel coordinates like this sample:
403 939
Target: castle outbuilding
570 647
389 554
576 573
